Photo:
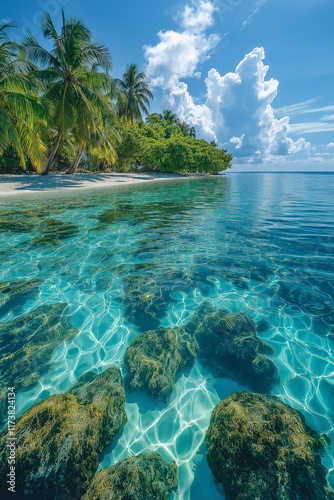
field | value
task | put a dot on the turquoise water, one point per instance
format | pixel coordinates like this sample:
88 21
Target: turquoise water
256 243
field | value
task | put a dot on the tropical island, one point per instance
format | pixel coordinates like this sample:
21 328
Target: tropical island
62 112
165 342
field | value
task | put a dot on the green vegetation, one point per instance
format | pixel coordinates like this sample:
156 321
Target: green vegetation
137 478
60 107
58 440
165 148
261 448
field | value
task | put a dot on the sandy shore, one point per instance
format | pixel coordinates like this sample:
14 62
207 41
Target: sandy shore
17 184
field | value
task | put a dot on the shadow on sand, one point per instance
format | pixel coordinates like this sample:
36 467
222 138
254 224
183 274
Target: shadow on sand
35 182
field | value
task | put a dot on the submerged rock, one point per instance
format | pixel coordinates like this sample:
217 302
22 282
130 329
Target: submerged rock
27 345
14 294
147 297
309 299
143 477
145 302
260 448
21 220
58 440
53 230
229 345
155 357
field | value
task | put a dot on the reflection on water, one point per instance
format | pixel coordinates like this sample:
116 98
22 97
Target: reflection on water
132 259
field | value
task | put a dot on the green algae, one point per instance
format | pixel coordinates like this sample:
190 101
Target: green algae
27 344
14 294
58 440
155 358
259 448
143 477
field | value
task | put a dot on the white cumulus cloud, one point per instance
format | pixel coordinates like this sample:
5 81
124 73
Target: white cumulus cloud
178 54
237 111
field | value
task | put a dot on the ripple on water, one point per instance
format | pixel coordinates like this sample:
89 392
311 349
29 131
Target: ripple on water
234 240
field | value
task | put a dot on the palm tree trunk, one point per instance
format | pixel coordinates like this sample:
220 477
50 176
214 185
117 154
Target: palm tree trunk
77 161
104 165
52 156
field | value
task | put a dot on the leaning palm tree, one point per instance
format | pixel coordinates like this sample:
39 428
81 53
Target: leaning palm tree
20 107
134 95
101 142
74 92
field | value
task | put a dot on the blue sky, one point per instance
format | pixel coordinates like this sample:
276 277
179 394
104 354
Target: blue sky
256 75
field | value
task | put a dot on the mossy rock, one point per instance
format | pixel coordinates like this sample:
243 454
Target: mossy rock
147 297
155 358
309 299
145 302
229 345
14 294
261 449
58 440
21 221
143 477
27 345
53 230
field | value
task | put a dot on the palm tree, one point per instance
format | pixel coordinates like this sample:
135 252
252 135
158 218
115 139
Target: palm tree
169 118
192 132
20 107
101 143
135 94
184 128
73 89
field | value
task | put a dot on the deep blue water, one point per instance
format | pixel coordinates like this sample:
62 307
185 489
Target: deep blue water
259 243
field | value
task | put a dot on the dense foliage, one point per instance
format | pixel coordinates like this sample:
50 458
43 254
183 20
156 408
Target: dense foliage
166 149
61 108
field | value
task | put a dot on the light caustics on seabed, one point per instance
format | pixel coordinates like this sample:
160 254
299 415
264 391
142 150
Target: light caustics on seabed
260 244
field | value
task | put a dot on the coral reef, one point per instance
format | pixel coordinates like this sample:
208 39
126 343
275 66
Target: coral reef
155 357
143 477
58 440
260 448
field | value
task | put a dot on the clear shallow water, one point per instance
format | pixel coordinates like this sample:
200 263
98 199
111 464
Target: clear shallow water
256 243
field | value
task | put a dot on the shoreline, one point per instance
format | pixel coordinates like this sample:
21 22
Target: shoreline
11 185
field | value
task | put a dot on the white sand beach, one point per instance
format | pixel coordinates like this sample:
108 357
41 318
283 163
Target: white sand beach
24 184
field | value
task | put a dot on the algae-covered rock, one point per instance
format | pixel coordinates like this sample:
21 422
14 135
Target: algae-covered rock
147 296
51 231
145 302
58 440
14 294
143 477
27 345
228 343
261 449
155 357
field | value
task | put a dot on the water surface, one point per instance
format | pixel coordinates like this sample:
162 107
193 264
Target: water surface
256 243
